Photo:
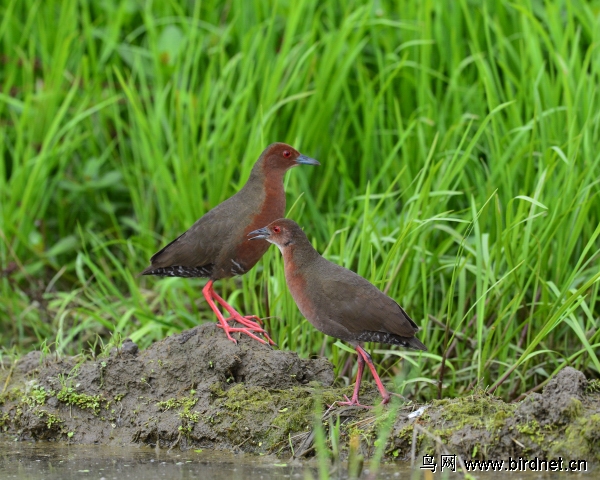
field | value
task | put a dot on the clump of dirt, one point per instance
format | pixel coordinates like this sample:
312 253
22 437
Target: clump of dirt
187 388
199 390
563 421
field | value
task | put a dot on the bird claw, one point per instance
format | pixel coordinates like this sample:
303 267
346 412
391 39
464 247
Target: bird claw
250 326
259 320
229 337
247 331
246 321
352 403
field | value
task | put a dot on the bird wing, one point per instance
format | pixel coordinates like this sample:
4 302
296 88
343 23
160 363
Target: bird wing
360 306
200 245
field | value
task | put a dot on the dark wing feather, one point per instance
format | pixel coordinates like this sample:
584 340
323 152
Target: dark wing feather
360 306
198 248
157 255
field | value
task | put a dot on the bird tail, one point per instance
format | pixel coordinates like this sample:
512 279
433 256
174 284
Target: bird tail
414 342
146 271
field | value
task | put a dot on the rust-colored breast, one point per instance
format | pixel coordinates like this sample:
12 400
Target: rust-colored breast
249 252
299 288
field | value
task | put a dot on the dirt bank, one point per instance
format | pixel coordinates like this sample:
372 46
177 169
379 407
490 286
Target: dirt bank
199 390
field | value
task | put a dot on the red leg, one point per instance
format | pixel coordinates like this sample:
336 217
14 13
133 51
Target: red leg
207 291
384 393
209 294
359 373
246 321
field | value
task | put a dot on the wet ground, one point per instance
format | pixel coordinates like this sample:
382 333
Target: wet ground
50 461
197 390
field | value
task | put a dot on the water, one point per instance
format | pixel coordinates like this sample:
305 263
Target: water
50 461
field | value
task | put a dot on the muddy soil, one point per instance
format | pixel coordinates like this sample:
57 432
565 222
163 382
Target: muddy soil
199 390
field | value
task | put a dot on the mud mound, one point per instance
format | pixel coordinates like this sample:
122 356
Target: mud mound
180 389
199 390
563 421
560 402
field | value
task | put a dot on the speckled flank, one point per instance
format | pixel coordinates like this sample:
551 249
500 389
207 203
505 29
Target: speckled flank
181 271
237 268
383 337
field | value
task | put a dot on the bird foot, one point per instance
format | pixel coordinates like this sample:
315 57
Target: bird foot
250 318
250 325
352 403
248 331
247 321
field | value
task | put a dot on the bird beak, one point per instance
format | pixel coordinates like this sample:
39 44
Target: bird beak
304 160
259 234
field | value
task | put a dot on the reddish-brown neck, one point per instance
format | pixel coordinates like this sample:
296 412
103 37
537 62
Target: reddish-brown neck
268 187
299 255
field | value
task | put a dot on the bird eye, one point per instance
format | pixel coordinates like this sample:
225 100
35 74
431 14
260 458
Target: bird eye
277 229
287 153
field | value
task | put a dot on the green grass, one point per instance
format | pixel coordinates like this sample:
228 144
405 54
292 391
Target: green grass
460 162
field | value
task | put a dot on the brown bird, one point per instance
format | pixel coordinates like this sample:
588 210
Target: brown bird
217 247
338 302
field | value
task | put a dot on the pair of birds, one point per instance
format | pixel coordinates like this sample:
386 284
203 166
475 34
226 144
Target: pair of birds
231 238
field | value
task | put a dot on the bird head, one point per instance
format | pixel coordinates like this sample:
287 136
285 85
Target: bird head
279 156
282 232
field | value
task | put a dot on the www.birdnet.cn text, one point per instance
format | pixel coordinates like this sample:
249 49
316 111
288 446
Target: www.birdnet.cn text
449 463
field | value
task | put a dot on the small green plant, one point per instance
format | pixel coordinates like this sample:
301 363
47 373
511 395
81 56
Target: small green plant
324 455
4 421
188 417
69 396
102 366
593 386
355 458
192 417
52 420
385 422
533 430
38 396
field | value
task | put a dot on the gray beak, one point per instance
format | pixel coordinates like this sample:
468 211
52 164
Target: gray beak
304 160
260 233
